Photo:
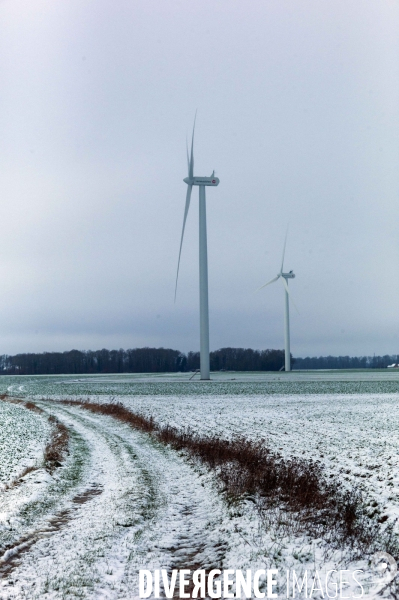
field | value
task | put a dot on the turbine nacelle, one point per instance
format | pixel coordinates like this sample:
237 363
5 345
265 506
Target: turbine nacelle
289 275
212 180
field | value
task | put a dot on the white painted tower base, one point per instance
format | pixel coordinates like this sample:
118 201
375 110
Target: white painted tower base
203 273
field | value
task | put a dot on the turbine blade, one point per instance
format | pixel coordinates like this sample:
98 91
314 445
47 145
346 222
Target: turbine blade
191 163
269 282
188 159
285 284
188 198
285 243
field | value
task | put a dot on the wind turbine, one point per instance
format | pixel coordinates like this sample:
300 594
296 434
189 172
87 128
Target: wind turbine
284 280
202 182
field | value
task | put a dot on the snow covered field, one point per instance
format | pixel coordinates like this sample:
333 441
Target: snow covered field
122 502
23 435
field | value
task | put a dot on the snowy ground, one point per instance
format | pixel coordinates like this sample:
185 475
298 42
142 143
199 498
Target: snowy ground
151 512
122 502
23 435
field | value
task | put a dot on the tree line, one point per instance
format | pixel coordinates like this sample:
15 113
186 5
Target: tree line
347 362
138 360
166 360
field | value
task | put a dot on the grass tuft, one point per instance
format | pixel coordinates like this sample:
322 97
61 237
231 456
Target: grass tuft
57 447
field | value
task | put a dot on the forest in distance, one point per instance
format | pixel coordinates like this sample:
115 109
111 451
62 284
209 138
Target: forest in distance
166 360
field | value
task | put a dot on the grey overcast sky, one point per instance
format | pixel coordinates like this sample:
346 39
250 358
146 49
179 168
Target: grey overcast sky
298 113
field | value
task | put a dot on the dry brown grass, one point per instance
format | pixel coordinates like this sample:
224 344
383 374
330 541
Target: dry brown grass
32 406
57 447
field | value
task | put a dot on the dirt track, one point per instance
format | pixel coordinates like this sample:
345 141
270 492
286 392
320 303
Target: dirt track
134 504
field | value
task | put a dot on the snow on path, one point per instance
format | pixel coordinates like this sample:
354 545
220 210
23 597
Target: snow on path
155 511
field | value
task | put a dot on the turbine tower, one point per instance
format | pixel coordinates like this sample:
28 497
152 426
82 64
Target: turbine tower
202 182
284 280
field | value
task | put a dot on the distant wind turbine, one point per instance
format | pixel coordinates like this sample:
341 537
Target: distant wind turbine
203 255
284 280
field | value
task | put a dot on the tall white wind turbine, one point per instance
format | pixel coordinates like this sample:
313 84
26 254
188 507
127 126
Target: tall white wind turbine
203 255
284 280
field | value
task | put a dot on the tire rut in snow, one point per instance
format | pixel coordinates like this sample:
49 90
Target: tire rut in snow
12 556
189 531
30 506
